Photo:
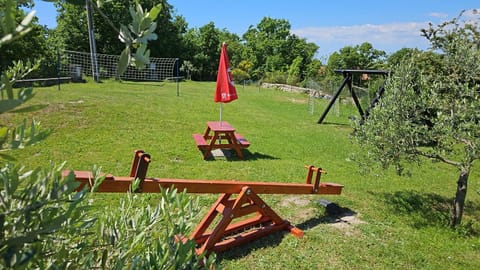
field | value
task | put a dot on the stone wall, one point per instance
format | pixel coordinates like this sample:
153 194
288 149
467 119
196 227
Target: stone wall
295 89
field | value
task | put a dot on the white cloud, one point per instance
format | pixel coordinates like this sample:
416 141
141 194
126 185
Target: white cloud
388 37
438 15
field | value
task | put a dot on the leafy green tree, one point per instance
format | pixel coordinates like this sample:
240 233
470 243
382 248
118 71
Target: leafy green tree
426 60
235 46
362 56
294 71
209 45
203 50
270 47
33 44
204 45
315 70
433 115
72 28
370 58
108 18
397 57
241 71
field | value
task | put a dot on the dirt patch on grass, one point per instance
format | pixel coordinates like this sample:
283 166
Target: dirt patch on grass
298 101
294 200
338 217
303 209
346 221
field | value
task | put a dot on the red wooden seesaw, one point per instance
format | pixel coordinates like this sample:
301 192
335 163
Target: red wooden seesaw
238 200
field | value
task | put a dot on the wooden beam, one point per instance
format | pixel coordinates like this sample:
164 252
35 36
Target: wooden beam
152 185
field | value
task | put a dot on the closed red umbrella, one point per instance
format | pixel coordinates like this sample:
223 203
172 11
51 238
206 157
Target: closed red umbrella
225 91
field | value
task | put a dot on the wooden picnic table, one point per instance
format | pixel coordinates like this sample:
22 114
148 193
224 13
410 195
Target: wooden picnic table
220 135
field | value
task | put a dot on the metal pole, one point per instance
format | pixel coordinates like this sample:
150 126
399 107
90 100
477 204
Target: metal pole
91 37
58 68
347 78
355 99
177 64
220 113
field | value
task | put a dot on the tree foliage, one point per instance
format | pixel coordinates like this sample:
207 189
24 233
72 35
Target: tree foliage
271 47
431 113
44 224
14 26
362 56
24 134
108 18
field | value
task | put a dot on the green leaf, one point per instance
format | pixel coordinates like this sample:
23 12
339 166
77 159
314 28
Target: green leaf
153 14
125 35
3 135
124 61
142 56
25 94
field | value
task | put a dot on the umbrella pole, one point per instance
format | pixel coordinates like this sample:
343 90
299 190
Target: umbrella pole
220 113
220 138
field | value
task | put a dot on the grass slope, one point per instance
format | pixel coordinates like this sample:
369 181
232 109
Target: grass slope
393 223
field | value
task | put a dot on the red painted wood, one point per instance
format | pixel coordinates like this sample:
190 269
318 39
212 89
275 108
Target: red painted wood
235 224
200 141
152 185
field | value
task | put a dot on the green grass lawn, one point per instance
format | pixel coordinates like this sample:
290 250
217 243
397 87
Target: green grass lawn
394 222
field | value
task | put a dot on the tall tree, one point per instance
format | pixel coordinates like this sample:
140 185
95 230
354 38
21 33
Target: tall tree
362 56
72 27
427 60
271 47
433 115
204 44
31 47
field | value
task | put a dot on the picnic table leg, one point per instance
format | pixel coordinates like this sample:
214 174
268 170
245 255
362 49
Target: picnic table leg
207 133
233 141
208 150
209 147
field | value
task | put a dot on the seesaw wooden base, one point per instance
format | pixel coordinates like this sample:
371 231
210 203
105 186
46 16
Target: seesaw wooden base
241 216
229 233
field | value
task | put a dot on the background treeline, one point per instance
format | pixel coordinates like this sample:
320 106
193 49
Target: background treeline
267 51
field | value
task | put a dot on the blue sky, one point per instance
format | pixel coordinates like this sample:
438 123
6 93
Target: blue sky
388 25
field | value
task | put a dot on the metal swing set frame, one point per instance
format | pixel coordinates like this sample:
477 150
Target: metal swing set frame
348 81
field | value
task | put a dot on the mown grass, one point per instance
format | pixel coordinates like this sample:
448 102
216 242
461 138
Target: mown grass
395 222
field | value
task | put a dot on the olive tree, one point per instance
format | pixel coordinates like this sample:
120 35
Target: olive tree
433 115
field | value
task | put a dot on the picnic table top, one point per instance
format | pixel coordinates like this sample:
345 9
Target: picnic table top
220 126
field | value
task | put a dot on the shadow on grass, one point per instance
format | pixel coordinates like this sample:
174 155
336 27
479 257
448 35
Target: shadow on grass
273 239
7 157
256 156
334 214
32 108
335 124
421 209
231 155
154 84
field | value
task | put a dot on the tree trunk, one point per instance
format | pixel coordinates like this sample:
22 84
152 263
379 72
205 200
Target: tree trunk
461 194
